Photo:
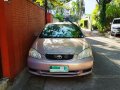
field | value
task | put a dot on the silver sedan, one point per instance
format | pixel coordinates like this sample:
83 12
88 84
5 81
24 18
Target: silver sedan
60 51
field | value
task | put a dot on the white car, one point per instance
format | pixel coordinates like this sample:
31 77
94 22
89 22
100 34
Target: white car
115 26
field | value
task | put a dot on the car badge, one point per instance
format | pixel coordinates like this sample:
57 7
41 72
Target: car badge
59 57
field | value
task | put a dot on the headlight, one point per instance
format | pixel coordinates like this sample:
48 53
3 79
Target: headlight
85 53
35 54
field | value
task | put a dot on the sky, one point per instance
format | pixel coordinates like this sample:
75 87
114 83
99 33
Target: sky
89 6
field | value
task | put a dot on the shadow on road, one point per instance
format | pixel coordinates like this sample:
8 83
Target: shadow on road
110 51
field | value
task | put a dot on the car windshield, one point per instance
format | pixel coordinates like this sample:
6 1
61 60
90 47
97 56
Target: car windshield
117 21
61 31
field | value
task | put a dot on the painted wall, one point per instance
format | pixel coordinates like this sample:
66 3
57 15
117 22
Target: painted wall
49 18
23 19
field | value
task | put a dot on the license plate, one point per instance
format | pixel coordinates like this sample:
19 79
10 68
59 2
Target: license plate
59 69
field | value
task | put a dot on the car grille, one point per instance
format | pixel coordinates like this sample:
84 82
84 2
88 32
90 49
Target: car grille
117 28
59 56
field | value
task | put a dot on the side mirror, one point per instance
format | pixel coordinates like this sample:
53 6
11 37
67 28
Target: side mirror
110 23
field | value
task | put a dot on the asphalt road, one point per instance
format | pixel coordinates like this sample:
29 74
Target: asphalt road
106 76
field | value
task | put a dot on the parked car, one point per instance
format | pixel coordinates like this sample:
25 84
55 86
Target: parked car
115 26
61 50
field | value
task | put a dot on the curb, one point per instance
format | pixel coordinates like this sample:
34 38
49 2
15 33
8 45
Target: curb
21 80
4 83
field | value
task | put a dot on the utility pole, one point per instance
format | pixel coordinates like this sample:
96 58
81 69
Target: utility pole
45 11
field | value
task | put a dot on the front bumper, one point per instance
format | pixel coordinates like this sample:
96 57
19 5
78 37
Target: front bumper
115 31
76 68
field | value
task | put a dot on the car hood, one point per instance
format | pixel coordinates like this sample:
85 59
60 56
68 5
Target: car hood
60 46
116 25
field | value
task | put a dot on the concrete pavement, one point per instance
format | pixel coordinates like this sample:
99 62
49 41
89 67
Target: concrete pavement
4 83
106 76
110 48
107 45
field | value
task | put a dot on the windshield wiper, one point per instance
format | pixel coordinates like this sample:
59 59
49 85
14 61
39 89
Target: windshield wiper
67 19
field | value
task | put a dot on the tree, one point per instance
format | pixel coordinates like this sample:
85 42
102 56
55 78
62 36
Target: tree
59 6
95 16
102 15
77 8
53 3
112 11
99 1
50 4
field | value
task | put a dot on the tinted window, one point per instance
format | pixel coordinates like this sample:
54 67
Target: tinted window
61 31
117 21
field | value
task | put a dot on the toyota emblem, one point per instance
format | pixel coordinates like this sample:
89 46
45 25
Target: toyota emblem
59 56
